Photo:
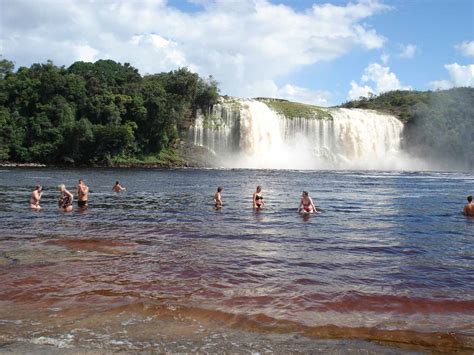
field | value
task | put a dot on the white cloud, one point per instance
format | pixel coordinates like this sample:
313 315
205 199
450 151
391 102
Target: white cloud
268 88
466 48
384 58
86 53
441 84
358 91
459 75
160 52
158 41
408 51
242 43
381 77
299 94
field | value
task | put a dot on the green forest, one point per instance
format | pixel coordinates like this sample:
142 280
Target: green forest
100 113
439 125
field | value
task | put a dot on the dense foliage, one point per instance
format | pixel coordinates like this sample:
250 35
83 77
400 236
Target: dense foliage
95 113
439 125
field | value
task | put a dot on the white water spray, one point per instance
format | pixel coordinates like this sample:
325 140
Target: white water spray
248 134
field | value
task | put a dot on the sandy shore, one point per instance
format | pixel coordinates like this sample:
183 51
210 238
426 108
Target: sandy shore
235 342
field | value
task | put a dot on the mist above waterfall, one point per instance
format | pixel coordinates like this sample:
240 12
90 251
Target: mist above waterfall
442 130
248 134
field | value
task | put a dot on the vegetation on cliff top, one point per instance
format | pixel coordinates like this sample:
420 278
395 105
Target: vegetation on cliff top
398 103
292 110
96 113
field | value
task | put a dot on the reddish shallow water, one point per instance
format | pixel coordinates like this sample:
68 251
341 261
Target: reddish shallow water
158 265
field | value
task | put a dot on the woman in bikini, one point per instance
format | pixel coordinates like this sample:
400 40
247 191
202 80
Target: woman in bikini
306 204
36 197
258 198
65 199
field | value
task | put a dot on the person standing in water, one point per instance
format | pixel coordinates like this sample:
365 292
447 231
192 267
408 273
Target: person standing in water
65 199
469 207
36 197
82 194
258 198
218 198
306 203
117 187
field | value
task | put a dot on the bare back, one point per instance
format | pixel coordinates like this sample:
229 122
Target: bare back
469 209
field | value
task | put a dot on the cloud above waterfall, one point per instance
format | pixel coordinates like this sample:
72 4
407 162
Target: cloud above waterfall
268 88
243 44
466 48
408 51
459 75
376 79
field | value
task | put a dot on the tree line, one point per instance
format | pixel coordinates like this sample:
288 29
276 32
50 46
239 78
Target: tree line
93 113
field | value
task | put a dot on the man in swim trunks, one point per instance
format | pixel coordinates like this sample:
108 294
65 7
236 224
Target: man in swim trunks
218 198
82 194
306 204
469 207
36 197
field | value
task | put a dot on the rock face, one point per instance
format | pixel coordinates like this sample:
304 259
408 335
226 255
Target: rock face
253 134
196 156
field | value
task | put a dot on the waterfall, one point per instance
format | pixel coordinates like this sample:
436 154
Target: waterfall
248 134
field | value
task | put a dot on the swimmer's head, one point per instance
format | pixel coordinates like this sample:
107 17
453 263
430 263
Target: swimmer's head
219 189
61 187
38 187
469 198
305 193
259 188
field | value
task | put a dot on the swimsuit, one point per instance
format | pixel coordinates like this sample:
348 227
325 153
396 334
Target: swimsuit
64 201
80 194
259 204
81 203
307 206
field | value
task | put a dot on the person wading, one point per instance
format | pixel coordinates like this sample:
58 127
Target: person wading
82 194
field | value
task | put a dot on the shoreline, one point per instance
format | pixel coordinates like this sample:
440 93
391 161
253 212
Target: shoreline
216 342
112 166
187 156
146 166
9 164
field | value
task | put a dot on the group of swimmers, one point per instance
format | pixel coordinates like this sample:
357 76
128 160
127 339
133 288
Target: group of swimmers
66 198
306 202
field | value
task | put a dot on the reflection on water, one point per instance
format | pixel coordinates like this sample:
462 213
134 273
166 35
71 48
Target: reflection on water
390 258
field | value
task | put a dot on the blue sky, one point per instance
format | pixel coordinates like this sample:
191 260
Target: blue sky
321 52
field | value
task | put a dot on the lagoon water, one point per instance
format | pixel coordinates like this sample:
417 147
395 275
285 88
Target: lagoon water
388 264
